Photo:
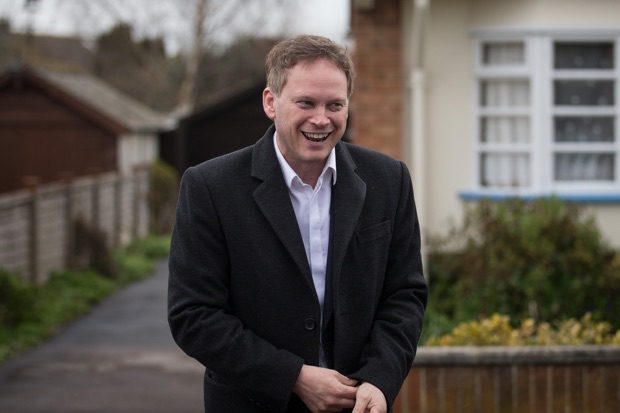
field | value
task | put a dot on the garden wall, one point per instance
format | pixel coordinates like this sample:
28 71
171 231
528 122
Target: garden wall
550 379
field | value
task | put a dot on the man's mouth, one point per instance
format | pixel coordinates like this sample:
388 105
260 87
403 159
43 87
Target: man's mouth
316 137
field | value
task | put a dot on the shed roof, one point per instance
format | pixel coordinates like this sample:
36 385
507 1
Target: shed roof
98 98
109 101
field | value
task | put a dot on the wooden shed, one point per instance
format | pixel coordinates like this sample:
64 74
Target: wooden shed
55 124
230 121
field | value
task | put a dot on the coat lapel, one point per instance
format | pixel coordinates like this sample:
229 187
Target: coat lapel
274 202
347 200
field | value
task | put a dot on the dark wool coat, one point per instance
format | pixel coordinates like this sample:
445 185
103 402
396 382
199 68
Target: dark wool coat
241 296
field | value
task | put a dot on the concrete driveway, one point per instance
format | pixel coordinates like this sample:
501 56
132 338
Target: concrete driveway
118 358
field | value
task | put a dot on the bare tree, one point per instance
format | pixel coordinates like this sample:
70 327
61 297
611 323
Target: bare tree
187 92
191 30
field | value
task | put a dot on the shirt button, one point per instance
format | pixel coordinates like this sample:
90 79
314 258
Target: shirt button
309 324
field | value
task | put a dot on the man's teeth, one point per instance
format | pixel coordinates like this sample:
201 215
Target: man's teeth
316 137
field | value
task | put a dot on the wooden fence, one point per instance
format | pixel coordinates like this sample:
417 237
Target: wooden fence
37 224
553 379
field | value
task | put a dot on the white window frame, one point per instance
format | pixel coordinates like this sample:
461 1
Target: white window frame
538 69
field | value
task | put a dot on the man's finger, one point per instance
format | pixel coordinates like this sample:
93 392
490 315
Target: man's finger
360 405
349 392
348 382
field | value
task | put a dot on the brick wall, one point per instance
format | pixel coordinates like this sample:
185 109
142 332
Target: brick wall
513 380
376 106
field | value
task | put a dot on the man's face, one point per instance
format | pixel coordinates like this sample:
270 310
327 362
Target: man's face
310 114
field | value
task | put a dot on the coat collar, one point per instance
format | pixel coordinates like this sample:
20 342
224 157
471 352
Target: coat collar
273 200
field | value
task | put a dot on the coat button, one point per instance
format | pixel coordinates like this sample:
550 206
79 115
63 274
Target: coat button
309 324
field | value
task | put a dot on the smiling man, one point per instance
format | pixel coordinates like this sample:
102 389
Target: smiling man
295 269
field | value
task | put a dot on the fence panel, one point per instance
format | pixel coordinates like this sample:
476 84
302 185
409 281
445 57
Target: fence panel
14 231
51 231
37 225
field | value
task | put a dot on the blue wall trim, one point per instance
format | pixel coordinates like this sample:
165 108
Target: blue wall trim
584 198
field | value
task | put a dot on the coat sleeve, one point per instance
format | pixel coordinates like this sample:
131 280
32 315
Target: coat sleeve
199 312
390 349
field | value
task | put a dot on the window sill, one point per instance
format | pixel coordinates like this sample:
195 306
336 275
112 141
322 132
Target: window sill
590 198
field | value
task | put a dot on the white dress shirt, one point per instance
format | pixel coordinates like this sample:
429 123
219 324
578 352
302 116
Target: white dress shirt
312 209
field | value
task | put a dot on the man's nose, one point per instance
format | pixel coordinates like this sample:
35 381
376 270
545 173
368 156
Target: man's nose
319 118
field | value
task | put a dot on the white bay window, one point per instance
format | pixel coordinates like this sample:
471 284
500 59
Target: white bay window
546 113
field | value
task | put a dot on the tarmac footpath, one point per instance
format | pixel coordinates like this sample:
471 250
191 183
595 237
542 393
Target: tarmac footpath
120 357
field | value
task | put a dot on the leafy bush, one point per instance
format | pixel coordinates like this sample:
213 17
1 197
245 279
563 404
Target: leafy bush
138 257
498 331
152 247
17 300
542 259
164 183
90 249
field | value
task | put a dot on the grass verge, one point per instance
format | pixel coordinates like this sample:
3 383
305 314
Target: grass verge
31 314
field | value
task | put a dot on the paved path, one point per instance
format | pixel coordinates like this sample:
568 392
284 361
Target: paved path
118 358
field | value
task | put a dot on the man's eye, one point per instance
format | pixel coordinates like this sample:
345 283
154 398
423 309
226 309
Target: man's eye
336 106
305 104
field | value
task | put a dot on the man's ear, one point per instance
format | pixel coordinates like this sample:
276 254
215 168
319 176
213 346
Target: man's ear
269 103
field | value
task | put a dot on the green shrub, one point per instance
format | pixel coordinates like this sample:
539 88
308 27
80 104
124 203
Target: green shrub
498 331
152 247
164 183
17 300
90 249
542 259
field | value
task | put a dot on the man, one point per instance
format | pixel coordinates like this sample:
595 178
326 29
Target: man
295 270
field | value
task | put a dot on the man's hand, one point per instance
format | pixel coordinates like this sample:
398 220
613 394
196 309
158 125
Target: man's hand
370 400
325 390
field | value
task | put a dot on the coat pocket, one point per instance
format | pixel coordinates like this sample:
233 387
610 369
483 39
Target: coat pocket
221 397
375 232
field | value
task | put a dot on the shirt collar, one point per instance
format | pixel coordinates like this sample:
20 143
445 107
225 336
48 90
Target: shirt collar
290 174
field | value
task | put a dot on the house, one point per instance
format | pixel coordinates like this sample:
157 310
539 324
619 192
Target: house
229 121
54 124
493 99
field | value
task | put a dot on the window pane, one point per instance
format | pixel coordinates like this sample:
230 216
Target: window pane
504 93
584 55
584 129
584 92
503 54
504 129
584 166
504 170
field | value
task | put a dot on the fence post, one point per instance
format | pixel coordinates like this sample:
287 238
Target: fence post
137 190
69 228
32 183
118 202
95 189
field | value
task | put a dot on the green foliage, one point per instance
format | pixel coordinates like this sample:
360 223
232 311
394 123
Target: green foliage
91 251
498 331
68 294
45 309
17 300
543 259
152 247
163 191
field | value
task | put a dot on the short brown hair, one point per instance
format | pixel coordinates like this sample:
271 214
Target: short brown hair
305 49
